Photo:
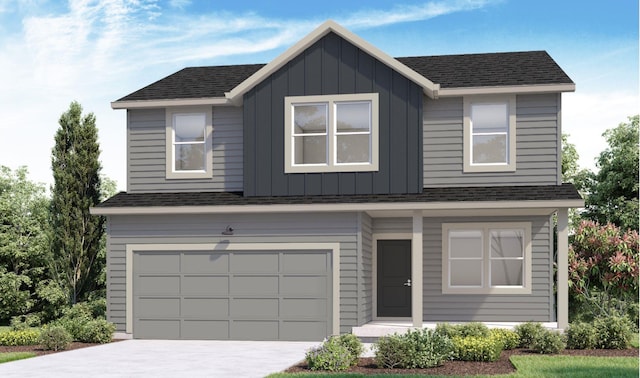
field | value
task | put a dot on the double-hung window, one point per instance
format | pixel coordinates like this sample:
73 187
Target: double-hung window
486 258
333 133
489 134
188 143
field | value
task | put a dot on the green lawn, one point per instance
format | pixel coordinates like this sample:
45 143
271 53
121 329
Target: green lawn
539 366
6 357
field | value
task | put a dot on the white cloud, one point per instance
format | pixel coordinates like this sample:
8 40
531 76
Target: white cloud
408 13
585 116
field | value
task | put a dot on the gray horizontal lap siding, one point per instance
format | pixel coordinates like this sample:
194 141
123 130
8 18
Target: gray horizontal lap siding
365 267
333 66
146 145
537 144
198 229
440 307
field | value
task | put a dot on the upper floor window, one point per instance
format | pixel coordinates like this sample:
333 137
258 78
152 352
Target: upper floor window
489 133
188 143
333 133
486 258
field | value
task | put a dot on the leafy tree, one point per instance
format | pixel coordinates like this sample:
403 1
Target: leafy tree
603 268
76 234
24 249
569 159
613 191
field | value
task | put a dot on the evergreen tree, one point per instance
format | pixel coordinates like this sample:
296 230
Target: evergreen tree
76 234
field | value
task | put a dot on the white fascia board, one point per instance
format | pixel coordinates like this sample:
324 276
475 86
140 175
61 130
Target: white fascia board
511 89
141 104
235 95
337 207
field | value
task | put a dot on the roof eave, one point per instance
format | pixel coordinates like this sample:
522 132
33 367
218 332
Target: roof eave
236 94
163 103
507 89
337 207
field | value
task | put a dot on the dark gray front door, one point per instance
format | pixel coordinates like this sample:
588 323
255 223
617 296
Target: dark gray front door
394 273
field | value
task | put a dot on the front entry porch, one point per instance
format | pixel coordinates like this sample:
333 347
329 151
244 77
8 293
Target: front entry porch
378 328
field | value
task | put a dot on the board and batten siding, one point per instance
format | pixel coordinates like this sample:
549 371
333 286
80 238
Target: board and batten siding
537 144
254 228
146 152
333 65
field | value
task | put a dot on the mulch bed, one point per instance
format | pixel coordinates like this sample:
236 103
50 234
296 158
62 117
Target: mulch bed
37 349
502 366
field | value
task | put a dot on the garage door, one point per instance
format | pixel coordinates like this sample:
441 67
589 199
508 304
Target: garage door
237 295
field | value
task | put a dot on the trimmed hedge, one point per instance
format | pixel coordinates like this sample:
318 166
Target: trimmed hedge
527 332
477 348
548 342
581 336
510 339
21 337
414 349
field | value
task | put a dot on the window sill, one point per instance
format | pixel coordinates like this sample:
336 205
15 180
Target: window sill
490 291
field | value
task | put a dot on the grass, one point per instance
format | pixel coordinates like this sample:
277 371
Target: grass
14 356
536 366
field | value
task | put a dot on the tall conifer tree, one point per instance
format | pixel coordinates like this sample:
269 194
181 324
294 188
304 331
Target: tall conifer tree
76 234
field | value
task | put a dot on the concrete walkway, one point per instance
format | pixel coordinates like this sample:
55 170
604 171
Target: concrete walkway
165 358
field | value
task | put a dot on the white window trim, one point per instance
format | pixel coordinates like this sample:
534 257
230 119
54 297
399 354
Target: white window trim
485 288
171 173
331 165
468 165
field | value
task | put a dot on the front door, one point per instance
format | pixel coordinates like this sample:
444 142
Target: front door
394 278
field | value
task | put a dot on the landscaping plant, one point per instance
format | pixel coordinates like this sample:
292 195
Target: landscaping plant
55 338
613 332
22 337
527 332
477 348
581 336
548 342
414 349
331 356
510 339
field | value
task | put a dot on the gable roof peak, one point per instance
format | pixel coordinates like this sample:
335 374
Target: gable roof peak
235 95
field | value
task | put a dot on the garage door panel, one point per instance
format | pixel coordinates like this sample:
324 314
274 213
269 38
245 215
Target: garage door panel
307 285
205 329
247 285
157 285
205 262
158 307
238 295
254 262
205 307
157 329
302 262
255 308
157 262
254 330
205 285
302 330
303 308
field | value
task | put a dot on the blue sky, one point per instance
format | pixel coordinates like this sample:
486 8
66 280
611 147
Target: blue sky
96 51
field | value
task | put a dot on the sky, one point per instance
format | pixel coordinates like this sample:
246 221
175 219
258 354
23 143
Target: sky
97 51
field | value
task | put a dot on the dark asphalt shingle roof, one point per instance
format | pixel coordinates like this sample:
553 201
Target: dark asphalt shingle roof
450 71
495 193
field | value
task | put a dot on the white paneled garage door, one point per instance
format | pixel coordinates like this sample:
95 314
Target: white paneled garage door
236 295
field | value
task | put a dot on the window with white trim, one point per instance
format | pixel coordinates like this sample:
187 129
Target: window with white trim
188 143
489 133
333 133
486 258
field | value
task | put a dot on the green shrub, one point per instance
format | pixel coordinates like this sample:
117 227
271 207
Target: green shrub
448 329
391 351
55 338
353 344
474 348
581 336
97 331
527 332
21 337
473 329
509 338
331 356
414 349
548 342
22 322
613 332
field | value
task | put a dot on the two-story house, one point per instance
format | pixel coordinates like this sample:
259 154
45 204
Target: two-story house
338 186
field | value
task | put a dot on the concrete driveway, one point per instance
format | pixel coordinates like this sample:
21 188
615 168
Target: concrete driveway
165 358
